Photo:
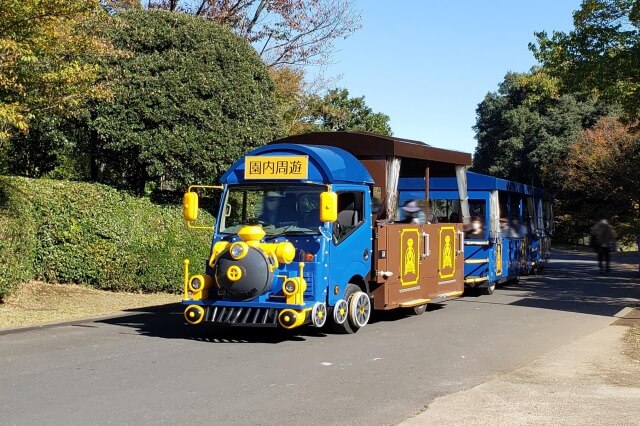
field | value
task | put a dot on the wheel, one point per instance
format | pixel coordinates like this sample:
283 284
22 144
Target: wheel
490 289
418 310
359 311
319 314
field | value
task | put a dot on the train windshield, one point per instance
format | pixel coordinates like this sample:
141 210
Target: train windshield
281 210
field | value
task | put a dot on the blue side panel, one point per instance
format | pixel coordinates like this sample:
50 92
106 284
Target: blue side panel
352 256
327 164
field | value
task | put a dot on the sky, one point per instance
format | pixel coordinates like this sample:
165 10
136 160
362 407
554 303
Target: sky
428 64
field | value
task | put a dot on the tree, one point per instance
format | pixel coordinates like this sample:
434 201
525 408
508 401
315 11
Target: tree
336 111
600 55
41 68
284 32
292 99
600 178
602 165
524 130
189 99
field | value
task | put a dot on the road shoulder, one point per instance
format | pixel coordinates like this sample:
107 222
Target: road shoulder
590 381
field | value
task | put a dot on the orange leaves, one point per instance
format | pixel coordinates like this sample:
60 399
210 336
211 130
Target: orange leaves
603 162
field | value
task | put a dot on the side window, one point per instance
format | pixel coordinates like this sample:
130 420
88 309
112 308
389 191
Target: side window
350 214
446 211
477 227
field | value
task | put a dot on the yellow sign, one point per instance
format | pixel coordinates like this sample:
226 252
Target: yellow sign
409 264
447 245
281 167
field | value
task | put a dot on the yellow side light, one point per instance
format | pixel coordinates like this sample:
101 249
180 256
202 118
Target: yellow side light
295 297
328 206
289 318
190 206
202 292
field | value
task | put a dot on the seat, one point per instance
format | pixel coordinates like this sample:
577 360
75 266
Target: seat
348 217
347 213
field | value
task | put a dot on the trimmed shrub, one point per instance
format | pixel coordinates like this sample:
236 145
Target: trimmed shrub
17 241
92 234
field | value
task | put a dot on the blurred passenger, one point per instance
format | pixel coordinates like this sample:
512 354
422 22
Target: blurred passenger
413 213
475 228
271 207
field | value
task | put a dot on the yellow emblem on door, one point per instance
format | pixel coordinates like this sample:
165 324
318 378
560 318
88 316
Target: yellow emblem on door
409 265
499 259
446 258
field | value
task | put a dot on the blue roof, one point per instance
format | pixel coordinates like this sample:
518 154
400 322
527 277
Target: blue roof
327 164
480 182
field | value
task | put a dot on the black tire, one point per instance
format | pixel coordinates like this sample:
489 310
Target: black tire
347 327
489 289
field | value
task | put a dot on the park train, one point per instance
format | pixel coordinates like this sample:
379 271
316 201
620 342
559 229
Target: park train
309 231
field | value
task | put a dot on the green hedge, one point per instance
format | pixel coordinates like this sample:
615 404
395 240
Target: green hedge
17 242
71 232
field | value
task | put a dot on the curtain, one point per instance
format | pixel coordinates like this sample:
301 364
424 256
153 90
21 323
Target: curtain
393 174
461 177
494 215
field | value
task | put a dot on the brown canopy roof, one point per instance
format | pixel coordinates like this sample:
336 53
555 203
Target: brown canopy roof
362 144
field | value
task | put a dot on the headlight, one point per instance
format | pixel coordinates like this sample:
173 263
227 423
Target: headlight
238 250
289 287
196 283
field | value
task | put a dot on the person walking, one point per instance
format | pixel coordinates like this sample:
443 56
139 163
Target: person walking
602 237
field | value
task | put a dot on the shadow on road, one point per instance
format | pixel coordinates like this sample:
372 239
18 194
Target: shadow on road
572 282
166 321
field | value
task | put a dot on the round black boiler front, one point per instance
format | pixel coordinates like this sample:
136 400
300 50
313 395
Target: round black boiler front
250 276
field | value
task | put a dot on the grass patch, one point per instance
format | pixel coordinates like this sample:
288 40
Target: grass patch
36 303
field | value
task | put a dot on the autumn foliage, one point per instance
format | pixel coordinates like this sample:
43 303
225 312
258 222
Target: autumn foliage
604 163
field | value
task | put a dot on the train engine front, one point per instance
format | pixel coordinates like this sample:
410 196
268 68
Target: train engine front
263 261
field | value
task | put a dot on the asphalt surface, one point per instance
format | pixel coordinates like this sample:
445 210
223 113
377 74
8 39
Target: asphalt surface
148 367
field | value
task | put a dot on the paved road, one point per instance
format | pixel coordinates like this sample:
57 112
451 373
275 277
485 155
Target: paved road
149 368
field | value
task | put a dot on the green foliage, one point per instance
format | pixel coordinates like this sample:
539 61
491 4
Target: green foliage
600 55
525 129
17 242
190 98
41 68
92 234
336 111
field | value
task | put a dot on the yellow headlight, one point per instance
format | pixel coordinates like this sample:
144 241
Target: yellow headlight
289 287
238 250
195 284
